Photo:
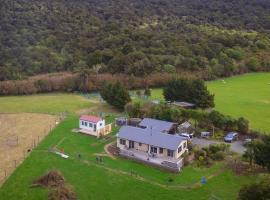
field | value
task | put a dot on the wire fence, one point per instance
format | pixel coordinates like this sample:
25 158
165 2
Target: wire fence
18 150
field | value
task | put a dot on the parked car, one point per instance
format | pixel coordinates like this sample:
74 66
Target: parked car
186 135
230 137
205 134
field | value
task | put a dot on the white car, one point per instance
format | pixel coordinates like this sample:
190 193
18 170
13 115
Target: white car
186 135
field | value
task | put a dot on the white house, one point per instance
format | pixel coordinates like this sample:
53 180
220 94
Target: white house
93 125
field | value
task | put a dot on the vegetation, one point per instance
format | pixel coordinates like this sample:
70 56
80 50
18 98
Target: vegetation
206 155
240 96
202 119
135 37
115 94
46 103
79 170
258 152
258 191
244 96
83 82
228 123
193 91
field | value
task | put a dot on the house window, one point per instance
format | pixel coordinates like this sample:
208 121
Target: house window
131 144
123 142
161 150
153 149
185 145
169 153
179 149
83 123
140 144
90 124
100 124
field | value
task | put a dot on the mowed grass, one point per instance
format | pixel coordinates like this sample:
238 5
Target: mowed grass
241 96
246 95
43 103
107 181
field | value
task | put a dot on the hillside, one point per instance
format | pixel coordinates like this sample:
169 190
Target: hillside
136 37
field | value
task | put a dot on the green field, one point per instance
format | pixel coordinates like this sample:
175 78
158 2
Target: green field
113 178
247 95
43 103
241 96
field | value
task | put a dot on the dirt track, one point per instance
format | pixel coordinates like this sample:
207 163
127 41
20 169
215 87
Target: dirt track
18 134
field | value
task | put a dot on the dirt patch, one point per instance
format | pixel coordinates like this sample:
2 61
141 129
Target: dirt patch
19 134
112 150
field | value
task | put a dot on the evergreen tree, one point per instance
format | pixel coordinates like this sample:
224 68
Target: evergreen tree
115 94
193 91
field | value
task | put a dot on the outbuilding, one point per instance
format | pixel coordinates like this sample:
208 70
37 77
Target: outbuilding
93 125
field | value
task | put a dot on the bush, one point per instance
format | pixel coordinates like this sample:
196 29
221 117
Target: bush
218 156
255 191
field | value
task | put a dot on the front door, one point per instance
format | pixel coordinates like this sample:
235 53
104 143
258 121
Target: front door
131 144
95 127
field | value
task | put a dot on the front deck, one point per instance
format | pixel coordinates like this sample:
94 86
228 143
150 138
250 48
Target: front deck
167 163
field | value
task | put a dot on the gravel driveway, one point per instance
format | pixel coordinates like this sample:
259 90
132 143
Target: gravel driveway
236 146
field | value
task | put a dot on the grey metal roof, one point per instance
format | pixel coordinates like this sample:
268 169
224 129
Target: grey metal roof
157 125
151 137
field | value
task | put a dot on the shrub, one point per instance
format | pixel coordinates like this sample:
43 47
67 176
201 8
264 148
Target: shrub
218 156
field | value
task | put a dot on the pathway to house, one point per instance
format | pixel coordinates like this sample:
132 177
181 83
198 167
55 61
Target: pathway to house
236 146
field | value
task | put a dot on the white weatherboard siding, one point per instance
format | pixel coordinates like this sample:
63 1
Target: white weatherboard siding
91 126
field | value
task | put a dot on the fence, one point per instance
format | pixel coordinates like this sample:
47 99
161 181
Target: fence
15 148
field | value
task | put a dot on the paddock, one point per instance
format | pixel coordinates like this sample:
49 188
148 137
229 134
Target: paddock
19 134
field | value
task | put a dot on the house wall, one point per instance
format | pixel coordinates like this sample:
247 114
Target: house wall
99 125
145 148
120 145
176 154
141 147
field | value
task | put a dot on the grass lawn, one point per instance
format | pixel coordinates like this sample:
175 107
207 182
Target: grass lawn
112 179
241 96
246 95
43 103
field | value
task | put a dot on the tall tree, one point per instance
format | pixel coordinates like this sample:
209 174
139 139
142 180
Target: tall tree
193 91
115 94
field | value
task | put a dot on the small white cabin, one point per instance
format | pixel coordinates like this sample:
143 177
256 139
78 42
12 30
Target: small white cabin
91 123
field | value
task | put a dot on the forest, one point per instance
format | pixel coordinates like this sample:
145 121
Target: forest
135 37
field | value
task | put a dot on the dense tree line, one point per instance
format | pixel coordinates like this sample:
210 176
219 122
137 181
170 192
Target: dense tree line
135 37
81 82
